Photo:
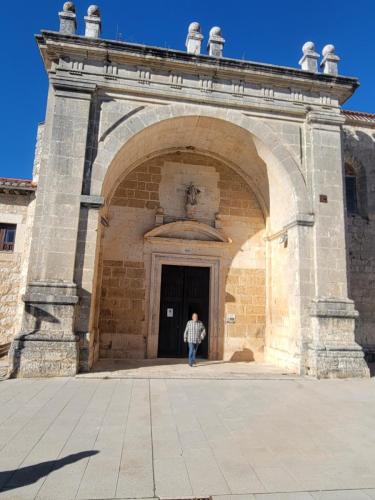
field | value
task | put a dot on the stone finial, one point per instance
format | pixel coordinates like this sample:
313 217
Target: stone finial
216 42
309 59
194 39
330 60
93 22
68 19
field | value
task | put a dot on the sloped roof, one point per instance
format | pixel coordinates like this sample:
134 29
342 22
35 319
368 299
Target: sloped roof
17 186
359 117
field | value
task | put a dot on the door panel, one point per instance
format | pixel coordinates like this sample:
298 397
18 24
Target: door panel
184 290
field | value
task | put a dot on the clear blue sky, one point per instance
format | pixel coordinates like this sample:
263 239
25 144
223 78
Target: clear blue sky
271 31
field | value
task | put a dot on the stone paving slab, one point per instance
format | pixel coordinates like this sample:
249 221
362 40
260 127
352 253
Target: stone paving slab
291 439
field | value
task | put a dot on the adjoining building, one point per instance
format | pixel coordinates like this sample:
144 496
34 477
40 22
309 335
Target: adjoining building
173 182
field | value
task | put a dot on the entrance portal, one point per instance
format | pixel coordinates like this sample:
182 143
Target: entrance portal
184 290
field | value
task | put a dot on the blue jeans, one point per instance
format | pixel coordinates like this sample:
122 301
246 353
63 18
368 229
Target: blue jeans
192 352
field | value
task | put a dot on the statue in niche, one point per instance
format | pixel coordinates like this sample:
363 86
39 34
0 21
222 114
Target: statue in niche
191 200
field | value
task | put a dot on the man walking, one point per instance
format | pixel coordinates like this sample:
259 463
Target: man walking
193 335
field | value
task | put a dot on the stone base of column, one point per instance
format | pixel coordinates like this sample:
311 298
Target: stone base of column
35 356
333 352
336 364
47 345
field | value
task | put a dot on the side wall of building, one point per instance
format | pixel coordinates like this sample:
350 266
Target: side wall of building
14 209
359 155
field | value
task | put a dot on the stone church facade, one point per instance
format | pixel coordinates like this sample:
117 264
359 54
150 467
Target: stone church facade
168 182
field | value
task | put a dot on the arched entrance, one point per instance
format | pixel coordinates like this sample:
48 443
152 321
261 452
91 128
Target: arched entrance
248 196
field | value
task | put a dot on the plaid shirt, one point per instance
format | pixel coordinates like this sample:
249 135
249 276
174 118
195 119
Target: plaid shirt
194 332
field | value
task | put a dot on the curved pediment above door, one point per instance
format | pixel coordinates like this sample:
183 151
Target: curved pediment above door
187 230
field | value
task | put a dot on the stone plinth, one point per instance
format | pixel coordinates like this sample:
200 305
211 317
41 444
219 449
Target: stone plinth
46 345
333 352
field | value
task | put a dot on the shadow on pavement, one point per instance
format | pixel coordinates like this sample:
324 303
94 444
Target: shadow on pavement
24 476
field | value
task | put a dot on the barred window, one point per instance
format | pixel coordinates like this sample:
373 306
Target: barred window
351 190
7 237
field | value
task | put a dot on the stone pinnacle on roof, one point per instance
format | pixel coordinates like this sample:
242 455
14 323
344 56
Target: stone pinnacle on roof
330 60
309 59
216 42
93 22
194 38
68 19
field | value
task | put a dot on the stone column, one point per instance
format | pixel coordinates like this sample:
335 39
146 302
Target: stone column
333 351
47 345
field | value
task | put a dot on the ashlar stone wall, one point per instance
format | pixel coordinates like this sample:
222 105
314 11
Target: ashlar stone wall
125 280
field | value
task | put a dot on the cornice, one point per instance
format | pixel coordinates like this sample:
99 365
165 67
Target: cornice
54 46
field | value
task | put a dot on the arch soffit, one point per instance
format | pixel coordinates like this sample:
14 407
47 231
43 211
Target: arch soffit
246 176
117 139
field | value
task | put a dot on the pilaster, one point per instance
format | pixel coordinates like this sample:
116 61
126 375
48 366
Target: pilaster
332 351
47 344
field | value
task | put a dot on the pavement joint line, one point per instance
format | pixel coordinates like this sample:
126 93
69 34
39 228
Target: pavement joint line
96 438
26 402
40 438
179 439
67 439
152 439
31 417
124 434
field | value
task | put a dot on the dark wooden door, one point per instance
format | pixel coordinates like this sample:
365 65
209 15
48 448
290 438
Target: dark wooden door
184 290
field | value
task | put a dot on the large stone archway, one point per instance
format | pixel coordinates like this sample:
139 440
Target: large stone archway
277 186
109 164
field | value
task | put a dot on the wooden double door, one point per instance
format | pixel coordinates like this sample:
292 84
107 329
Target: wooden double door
184 291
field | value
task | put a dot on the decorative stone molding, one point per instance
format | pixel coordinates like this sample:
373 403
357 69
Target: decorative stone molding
54 46
176 230
175 81
206 83
110 71
144 76
301 220
323 118
238 88
333 308
77 68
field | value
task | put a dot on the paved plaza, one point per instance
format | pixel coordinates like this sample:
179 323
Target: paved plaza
237 438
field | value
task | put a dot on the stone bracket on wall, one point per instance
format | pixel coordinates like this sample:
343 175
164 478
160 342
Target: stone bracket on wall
92 201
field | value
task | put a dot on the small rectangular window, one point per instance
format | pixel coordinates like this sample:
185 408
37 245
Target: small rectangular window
351 194
7 237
